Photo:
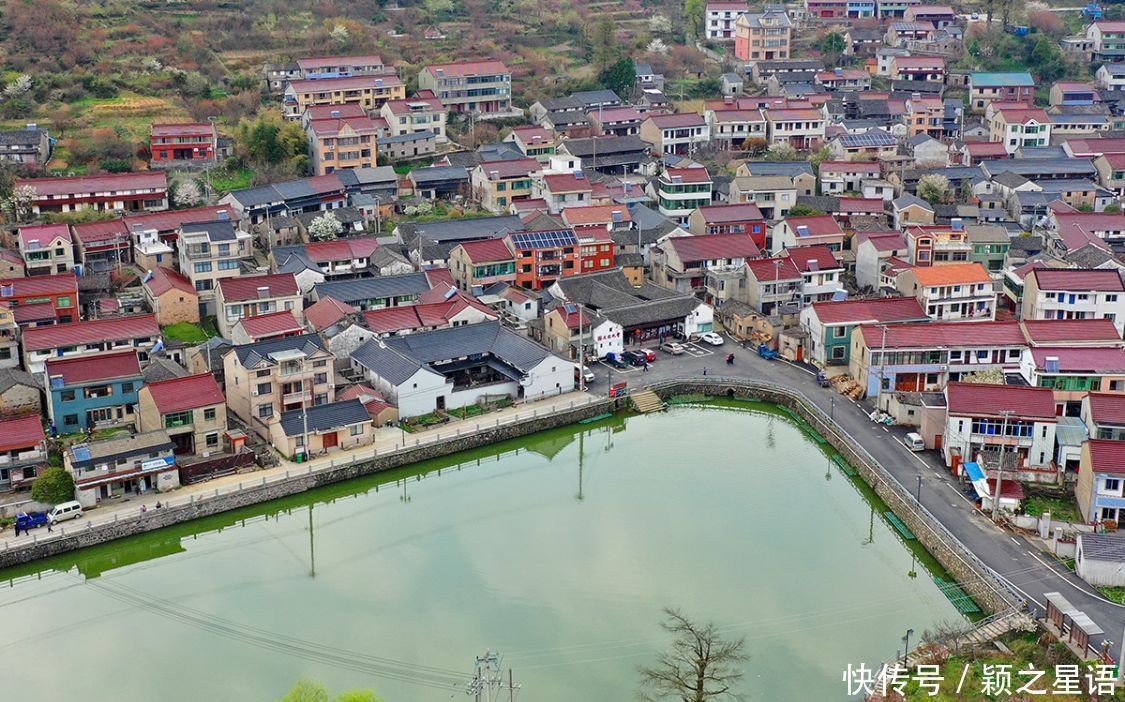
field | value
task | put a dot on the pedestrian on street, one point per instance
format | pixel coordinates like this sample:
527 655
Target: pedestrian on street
704 370
646 366
49 527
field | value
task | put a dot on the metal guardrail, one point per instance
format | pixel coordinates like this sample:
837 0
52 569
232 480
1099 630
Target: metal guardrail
986 574
410 442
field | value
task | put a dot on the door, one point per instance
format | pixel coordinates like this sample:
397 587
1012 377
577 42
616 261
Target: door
938 438
330 440
441 402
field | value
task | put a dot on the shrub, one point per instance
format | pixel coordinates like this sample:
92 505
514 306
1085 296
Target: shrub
53 486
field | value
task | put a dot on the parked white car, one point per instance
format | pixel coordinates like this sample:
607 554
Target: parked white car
672 347
711 338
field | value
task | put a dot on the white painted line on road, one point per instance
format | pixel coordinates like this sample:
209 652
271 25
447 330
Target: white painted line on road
886 430
1014 540
1077 587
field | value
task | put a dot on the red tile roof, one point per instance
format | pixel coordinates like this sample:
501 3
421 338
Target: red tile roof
356 392
595 215
818 225
21 432
952 274
566 183
468 68
791 115
348 109
409 105
844 74
326 312
930 335
1023 115
740 212
918 61
165 279
884 241
769 269
1045 331
515 168
38 312
860 205
987 148
80 185
849 167
878 310
359 247
616 114
687 175
265 326
485 250
1107 359
534 135
1078 279
1011 489
188 392
168 221
812 258
1107 407
332 126
85 369
1107 455
1095 147
183 129
683 119
311 62
246 288
323 85
713 246
984 400
34 286
44 234
91 332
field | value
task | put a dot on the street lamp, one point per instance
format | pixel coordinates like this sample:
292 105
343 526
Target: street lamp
918 492
906 646
832 407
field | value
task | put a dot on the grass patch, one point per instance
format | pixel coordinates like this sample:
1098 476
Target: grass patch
1115 594
467 411
404 168
1062 508
224 180
186 332
209 325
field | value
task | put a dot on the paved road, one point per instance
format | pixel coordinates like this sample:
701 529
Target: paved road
1013 557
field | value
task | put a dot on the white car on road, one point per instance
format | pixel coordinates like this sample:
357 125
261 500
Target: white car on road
711 338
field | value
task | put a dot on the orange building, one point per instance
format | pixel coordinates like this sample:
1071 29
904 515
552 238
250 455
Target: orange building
543 257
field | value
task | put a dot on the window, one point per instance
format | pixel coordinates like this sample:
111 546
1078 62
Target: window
1111 298
126 387
67 396
70 419
320 378
839 332
212 439
262 374
209 413
228 265
356 429
320 364
263 389
62 301
177 419
204 267
265 411
1111 485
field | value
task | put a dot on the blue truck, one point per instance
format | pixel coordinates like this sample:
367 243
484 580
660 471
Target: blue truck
34 520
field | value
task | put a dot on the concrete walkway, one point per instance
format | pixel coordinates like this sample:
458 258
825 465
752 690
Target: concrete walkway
387 440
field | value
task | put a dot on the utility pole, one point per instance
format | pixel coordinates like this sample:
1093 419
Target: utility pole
882 367
488 680
312 545
1000 471
581 351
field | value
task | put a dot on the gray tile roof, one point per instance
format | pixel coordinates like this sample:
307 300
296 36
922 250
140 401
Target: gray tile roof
352 291
397 358
457 230
217 230
438 174
1104 547
123 447
249 355
781 168
326 417
10 377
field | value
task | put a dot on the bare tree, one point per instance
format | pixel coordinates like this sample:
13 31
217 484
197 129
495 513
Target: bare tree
699 667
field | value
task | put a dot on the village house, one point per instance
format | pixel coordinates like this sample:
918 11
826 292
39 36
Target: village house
958 291
997 419
731 128
774 195
912 210
183 143
422 113
938 245
928 69
88 392
210 252
470 86
864 146
1074 293
811 230
23 451
114 467
497 184
318 67
310 431
19 392
534 141
572 331
986 88
454 311
843 79
89 338
1100 478
478 264
838 177
820 273
1019 127
830 324
1073 372
250 296
59 291
29 146
772 283
266 379
381 291
191 409
562 190
146 191
679 191
801 128
615 121
1103 413
171 296
873 252
367 91
47 249
719 19
341 142
250 330
1107 40
740 218
460 366
764 36
709 266
544 256
682 133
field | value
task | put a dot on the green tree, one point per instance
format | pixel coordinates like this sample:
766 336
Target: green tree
933 188
694 11
603 43
832 45
824 153
313 691
803 210
620 76
53 486
782 152
700 666
1112 208
357 696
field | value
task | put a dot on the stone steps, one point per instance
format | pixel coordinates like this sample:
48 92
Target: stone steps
647 401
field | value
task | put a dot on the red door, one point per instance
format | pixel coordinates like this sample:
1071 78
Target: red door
330 440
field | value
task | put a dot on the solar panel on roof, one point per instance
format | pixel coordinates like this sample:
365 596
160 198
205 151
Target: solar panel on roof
544 240
82 453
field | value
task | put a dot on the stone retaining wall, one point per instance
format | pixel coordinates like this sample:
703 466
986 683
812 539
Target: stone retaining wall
973 576
250 495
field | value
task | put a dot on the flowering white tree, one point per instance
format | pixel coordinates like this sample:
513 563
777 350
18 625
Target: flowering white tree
187 194
657 46
660 24
340 34
325 227
19 86
18 204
